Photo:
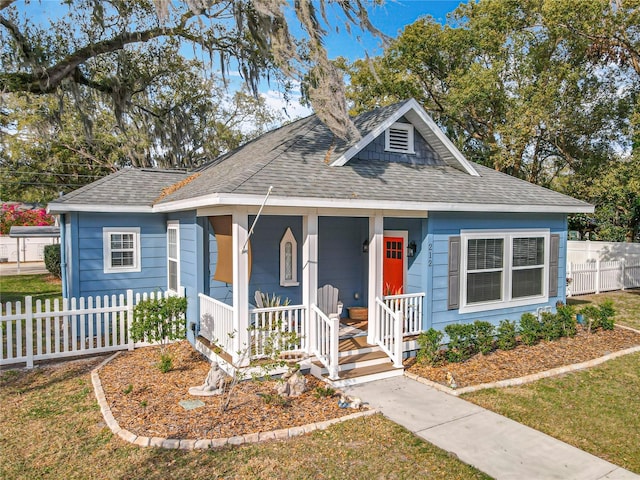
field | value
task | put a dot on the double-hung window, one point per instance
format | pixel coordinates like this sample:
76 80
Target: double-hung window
121 249
173 256
503 269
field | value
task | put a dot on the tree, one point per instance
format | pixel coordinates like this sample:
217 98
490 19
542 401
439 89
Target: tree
176 119
505 86
44 59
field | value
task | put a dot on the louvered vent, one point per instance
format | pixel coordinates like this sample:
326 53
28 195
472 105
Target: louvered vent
399 138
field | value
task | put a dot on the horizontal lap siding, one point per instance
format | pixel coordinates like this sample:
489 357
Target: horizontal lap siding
444 225
341 261
87 265
265 252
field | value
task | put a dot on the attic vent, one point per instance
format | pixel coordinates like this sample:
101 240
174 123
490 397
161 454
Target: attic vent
399 138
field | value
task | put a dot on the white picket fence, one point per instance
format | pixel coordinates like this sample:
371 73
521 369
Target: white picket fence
599 276
68 327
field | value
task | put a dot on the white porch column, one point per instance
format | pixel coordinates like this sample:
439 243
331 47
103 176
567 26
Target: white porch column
376 234
309 270
240 227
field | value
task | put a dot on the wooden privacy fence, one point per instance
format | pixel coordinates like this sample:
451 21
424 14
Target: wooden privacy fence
599 276
46 330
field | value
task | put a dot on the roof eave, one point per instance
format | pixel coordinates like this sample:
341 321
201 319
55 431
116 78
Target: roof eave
56 208
231 199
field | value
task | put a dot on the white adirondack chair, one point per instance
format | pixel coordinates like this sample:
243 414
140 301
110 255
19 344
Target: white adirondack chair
328 301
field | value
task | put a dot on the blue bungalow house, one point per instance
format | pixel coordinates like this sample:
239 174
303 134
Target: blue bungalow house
399 222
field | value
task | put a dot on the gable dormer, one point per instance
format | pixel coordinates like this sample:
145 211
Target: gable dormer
390 133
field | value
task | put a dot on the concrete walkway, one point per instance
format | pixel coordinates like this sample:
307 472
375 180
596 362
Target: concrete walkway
490 442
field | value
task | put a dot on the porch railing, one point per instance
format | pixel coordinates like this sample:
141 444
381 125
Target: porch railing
278 329
410 304
216 322
388 331
324 339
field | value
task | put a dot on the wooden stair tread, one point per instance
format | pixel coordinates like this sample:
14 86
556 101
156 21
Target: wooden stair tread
362 371
360 357
353 343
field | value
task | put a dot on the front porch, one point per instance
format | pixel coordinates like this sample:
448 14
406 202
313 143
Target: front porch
336 349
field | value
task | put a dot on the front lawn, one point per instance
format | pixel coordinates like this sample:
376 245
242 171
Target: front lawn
595 410
626 303
51 427
14 288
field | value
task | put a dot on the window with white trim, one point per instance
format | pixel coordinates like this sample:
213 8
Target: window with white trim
121 249
503 269
173 256
399 138
288 260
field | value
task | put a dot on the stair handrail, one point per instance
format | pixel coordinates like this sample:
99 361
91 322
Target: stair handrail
325 339
389 332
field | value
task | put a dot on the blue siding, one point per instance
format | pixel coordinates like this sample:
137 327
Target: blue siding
265 251
443 225
192 265
86 263
341 261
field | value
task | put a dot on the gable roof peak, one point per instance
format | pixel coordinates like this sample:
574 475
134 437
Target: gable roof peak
423 123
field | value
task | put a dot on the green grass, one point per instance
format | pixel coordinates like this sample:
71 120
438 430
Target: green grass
51 427
595 410
626 303
14 288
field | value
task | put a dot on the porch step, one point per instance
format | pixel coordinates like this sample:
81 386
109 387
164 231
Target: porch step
359 375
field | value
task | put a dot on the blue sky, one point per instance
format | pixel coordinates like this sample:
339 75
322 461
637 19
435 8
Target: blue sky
390 18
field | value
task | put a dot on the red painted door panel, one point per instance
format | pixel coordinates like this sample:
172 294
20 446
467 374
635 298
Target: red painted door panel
393 265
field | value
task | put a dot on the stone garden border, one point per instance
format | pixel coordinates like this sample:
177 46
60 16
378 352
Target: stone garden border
191 444
512 382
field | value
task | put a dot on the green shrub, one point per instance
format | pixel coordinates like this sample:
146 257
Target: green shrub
507 335
462 344
160 320
607 312
567 318
591 314
600 316
323 392
530 329
551 326
52 259
484 333
429 344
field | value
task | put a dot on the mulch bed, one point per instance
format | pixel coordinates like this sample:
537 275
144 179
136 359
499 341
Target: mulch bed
145 401
525 360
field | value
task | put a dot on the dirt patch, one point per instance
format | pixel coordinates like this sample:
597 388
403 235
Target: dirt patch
526 360
146 402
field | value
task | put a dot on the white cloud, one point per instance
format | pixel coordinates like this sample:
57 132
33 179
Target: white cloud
291 109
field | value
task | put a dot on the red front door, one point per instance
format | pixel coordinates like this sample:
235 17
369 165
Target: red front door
393 266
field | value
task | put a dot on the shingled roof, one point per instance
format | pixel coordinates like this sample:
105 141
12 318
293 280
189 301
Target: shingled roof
308 166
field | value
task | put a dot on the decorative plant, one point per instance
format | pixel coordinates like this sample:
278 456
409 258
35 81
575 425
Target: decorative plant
507 335
484 333
12 215
429 344
530 329
52 259
160 320
461 341
599 316
551 326
607 312
567 318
